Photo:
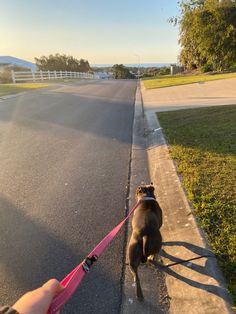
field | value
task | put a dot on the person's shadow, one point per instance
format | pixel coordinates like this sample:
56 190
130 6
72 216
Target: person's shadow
208 269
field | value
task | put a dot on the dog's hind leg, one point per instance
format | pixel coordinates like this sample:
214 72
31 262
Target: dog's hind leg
151 246
139 293
135 258
148 249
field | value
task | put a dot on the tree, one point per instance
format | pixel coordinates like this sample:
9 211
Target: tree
5 74
207 34
121 72
62 62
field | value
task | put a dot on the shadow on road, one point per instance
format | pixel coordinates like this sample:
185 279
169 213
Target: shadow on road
30 255
105 111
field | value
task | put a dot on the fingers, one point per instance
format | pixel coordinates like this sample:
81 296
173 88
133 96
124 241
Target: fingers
48 291
52 287
39 300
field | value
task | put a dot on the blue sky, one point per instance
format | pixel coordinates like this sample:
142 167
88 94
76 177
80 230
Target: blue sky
101 31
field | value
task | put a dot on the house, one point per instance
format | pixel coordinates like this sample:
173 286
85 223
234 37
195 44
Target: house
8 61
103 75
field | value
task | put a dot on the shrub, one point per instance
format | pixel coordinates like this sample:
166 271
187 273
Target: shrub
5 77
206 68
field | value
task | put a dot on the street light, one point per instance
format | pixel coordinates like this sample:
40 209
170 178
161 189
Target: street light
138 56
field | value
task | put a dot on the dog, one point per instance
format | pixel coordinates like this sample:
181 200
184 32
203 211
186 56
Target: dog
145 241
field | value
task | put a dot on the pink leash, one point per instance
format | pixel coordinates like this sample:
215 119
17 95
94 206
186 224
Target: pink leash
74 278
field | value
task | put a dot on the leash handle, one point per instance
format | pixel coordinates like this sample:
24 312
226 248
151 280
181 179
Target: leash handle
74 278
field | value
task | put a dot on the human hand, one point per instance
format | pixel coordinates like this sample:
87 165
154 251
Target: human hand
38 301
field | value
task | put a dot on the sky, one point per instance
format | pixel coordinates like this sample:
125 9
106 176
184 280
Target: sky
100 31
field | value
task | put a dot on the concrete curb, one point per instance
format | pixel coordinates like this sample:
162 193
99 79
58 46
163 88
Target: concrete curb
194 287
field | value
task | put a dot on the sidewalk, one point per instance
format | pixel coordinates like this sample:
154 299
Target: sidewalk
221 92
196 286
152 281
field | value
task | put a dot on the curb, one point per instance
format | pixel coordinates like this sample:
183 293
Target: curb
152 281
11 96
194 287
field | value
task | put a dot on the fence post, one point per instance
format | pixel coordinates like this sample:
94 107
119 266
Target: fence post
55 74
49 75
41 75
13 76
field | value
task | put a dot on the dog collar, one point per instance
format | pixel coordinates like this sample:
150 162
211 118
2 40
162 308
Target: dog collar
147 198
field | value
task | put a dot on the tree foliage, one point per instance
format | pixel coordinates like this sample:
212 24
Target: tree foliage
62 62
121 72
5 73
154 71
208 34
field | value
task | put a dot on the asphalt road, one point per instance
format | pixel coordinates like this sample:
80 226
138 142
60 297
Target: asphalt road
64 165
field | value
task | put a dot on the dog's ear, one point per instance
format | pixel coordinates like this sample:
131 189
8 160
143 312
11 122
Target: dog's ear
152 188
138 191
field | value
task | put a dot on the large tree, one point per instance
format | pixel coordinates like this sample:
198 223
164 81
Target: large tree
208 34
62 62
121 72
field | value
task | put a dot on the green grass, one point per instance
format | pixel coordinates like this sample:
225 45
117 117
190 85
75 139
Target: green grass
169 80
203 144
8 89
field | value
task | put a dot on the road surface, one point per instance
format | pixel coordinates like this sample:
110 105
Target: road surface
64 167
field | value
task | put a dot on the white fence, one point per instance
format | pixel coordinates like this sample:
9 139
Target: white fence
20 76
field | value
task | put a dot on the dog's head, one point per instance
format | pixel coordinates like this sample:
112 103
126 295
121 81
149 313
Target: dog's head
145 191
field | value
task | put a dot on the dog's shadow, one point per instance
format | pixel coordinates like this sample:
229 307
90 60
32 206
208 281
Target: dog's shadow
207 269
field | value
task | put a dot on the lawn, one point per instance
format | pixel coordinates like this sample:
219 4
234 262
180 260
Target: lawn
169 80
203 145
8 89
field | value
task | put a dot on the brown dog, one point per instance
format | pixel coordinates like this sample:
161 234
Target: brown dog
145 241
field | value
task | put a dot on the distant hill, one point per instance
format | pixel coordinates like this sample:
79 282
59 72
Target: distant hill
16 61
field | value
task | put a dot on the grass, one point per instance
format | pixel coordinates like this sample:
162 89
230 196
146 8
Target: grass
203 144
8 89
169 80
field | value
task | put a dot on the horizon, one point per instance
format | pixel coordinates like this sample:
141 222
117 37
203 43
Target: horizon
103 65
144 65
102 33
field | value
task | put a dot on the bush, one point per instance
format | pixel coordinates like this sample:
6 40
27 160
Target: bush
164 71
5 77
152 72
233 67
206 68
